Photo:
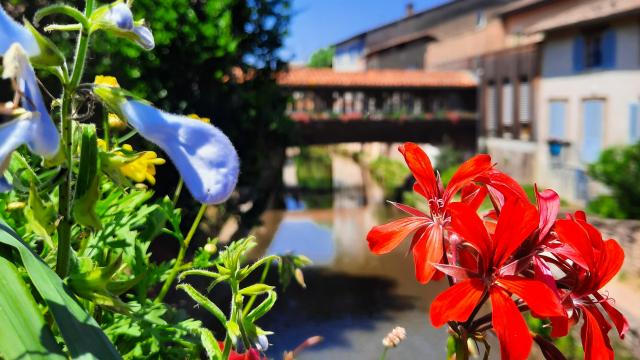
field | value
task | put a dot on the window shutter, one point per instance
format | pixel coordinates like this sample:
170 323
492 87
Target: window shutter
507 104
523 106
578 53
609 49
490 110
634 123
557 114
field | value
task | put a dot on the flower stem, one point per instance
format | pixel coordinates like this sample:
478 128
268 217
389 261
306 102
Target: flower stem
64 229
184 245
384 353
176 195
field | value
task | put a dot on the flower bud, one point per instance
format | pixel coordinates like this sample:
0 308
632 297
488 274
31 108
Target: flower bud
16 205
395 337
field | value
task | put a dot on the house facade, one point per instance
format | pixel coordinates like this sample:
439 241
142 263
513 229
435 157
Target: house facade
589 91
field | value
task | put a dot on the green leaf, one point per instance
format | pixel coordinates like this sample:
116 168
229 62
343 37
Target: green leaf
87 188
263 307
41 217
255 289
210 344
81 333
204 302
24 333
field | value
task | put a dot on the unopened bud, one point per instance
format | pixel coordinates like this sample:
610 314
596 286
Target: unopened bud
211 248
115 122
16 205
300 277
395 337
141 186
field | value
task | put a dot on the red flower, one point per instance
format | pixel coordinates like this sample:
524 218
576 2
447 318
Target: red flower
495 277
599 262
251 354
428 242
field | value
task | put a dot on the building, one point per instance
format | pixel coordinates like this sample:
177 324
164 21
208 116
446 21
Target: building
589 88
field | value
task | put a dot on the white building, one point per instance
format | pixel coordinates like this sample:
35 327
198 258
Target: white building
588 91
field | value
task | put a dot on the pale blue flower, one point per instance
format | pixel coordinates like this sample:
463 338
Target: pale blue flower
121 16
33 128
12 32
118 18
204 156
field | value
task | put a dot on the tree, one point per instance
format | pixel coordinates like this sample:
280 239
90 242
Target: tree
322 58
217 59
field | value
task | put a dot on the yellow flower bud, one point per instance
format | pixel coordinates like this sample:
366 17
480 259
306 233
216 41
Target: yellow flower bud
115 122
16 205
106 80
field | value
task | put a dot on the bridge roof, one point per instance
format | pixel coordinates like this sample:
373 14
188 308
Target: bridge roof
376 78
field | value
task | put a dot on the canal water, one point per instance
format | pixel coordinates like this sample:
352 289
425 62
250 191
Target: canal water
353 298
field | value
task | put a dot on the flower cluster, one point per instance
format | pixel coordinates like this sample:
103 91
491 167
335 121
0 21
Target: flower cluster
518 256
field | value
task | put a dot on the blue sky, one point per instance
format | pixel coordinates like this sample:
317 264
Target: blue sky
318 23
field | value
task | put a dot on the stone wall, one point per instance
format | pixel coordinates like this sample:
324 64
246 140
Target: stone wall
627 233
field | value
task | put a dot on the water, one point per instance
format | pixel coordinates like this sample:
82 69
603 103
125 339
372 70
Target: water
353 298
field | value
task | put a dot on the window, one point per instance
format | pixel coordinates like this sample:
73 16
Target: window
592 125
481 19
634 123
594 48
557 119
524 112
507 107
490 110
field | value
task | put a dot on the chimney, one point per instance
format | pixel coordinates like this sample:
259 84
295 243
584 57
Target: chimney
409 9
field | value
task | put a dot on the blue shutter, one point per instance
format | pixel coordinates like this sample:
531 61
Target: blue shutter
593 114
578 53
609 49
556 120
634 123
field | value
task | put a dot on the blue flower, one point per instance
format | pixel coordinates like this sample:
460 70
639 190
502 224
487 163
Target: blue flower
118 19
12 32
204 156
33 128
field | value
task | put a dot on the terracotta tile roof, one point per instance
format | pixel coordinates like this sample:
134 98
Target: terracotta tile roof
586 11
309 77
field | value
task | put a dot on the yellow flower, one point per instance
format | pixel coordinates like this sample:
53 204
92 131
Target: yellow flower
114 120
106 80
203 119
143 167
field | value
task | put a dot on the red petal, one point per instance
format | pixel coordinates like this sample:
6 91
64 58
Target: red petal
594 336
542 272
548 207
621 323
542 301
609 264
384 238
466 223
421 168
474 195
467 172
457 302
428 251
576 236
510 327
505 185
407 209
516 222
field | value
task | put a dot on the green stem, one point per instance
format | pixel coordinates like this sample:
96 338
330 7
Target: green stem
265 271
105 125
176 195
181 254
384 353
64 229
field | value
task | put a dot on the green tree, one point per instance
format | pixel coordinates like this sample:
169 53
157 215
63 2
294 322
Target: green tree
216 59
322 58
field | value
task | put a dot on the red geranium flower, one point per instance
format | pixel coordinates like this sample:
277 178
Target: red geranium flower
427 245
600 262
493 276
251 354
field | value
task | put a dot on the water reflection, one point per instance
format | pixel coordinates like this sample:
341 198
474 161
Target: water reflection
353 297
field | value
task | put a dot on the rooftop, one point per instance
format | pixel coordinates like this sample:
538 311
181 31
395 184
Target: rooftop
585 12
376 78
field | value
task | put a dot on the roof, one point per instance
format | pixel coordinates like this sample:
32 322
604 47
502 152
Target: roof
376 78
585 12
400 40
